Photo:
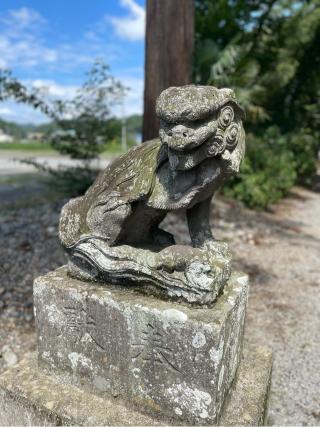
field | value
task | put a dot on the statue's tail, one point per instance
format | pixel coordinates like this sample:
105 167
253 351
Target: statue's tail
71 225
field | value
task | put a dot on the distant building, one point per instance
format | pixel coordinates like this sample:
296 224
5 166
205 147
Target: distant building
35 136
5 137
60 134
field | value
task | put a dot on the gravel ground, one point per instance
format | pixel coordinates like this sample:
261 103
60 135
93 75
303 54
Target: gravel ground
279 250
30 248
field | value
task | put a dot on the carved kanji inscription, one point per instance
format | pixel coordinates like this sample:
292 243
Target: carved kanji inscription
153 348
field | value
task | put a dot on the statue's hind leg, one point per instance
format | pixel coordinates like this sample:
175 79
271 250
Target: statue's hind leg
104 229
162 238
108 224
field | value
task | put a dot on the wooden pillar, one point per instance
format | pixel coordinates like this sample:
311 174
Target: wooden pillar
168 53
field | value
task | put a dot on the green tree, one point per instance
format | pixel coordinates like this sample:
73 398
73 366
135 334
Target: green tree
82 123
268 51
80 127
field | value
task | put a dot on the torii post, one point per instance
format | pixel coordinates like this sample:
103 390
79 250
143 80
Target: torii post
168 53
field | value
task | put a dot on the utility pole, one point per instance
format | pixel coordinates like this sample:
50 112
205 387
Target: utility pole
168 54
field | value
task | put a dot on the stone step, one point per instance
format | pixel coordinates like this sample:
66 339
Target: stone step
31 396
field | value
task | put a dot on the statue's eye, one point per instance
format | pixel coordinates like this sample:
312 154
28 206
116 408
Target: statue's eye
226 116
170 133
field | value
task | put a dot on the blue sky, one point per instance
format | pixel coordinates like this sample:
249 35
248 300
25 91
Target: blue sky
53 44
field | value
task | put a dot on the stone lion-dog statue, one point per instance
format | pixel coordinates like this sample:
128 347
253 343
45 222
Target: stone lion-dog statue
112 234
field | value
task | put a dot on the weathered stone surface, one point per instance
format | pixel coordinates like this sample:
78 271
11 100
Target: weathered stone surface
199 278
32 396
112 233
27 393
164 358
176 103
247 403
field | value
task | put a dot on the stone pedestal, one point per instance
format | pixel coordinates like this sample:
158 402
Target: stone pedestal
42 397
168 360
110 356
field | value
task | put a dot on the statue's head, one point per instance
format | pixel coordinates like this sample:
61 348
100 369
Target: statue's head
198 122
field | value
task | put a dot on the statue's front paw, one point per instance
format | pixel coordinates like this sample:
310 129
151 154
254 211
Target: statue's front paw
161 261
166 261
176 257
217 248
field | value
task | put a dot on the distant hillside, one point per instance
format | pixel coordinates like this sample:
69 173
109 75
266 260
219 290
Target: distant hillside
14 129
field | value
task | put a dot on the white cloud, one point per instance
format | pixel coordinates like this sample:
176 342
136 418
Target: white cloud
54 89
133 102
132 26
25 53
5 111
21 113
22 43
20 39
22 18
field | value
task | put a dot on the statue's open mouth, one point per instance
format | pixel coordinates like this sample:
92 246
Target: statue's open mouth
187 160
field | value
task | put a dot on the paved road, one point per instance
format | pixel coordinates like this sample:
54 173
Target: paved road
21 181
10 164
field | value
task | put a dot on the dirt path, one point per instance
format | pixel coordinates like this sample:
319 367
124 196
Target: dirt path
10 164
284 310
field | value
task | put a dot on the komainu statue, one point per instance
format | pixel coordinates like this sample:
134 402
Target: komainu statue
112 233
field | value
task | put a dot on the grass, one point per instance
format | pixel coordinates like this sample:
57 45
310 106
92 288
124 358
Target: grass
111 151
43 148
28 146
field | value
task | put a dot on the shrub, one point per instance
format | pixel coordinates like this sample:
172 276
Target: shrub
70 181
248 46
267 173
304 148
